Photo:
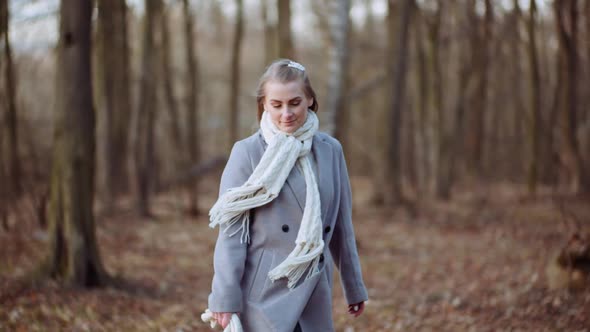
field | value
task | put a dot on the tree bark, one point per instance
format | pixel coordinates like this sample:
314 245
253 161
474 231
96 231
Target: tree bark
336 107
10 131
286 49
535 95
115 54
421 106
465 77
192 105
397 100
235 73
145 157
567 29
168 82
479 110
73 253
270 34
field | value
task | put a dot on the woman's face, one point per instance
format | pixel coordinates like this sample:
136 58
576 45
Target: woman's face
287 104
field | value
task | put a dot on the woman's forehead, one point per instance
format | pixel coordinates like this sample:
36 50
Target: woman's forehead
283 90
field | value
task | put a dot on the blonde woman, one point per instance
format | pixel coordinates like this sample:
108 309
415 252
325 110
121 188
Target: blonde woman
284 214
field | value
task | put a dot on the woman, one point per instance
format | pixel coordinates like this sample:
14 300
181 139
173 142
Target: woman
284 213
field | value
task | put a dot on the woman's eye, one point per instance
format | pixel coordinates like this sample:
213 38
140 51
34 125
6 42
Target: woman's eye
295 103
276 106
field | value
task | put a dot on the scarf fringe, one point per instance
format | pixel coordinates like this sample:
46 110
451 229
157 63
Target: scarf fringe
233 207
304 257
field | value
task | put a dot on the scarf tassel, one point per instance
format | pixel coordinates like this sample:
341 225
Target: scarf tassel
230 210
304 257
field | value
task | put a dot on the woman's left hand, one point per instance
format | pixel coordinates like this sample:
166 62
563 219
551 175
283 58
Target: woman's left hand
356 309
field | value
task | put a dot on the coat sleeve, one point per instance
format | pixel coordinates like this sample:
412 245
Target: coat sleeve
343 244
230 254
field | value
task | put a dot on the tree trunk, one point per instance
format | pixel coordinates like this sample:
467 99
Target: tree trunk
437 123
479 110
336 108
421 106
235 73
535 95
566 20
13 163
146 112
465 77
397 101
115 54
270 34
192 105
73 254
286 49
168 82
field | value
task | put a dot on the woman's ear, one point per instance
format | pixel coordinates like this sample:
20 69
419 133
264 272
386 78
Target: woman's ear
310 102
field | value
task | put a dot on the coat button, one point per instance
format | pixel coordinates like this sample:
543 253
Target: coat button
321 258
327 229
285 228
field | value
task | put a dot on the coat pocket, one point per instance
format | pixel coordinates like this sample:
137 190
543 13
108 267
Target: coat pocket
261 280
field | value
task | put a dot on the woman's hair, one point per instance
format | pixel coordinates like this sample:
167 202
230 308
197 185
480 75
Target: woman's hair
284 71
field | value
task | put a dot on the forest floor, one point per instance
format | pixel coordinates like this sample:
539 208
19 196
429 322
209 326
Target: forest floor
474 264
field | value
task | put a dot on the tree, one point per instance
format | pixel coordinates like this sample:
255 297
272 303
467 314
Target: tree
480 103
10 131
73 251
396 102
430 135
535 95
336 107
270 34
567 29
145 155
192 104
166 66
115 55
286 49
235 72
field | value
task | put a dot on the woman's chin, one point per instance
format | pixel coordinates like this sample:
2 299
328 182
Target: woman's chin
288 129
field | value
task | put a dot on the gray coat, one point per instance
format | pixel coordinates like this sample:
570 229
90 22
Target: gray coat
241 284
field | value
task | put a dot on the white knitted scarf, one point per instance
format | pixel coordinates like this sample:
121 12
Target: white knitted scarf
283 152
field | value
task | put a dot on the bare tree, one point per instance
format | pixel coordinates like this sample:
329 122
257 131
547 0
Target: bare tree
235 73
115 55
10 130
270 33
166 66
466 85
73 255
397 97
338 69
286 49
192 104
535 95
145 157
567 28
480 102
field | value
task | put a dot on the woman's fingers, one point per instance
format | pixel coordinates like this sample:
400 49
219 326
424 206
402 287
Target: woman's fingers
225 318
222 318
356 309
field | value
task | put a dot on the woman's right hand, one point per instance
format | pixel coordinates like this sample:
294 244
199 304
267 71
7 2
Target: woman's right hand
222 318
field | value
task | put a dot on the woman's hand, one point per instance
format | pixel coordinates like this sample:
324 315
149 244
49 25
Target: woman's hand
356 309
222 318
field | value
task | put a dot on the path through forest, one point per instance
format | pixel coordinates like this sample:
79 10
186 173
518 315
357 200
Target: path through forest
476 264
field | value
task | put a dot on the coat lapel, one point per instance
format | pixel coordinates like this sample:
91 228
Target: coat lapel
322 152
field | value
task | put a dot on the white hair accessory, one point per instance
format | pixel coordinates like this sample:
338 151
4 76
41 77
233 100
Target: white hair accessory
297 65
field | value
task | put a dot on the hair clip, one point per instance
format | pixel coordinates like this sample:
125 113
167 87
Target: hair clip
297 65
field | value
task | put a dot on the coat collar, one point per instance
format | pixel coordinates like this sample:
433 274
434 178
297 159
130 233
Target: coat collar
322 153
